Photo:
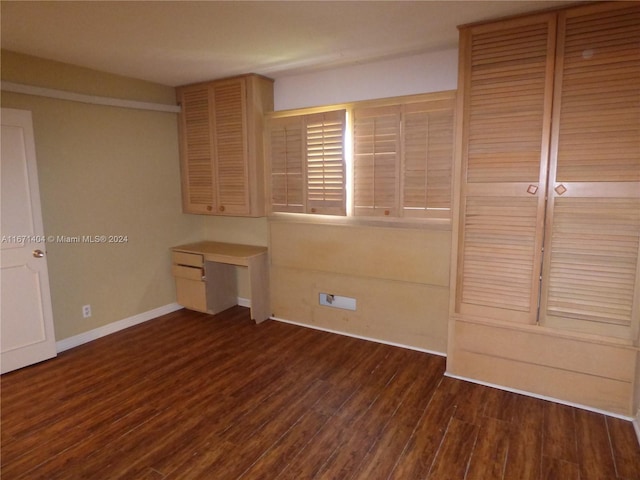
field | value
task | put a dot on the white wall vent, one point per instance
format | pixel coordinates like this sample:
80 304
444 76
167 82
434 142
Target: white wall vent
337 301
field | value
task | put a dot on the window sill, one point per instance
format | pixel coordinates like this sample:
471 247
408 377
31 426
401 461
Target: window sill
383 222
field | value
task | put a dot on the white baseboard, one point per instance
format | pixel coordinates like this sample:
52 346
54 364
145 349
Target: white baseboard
541 397
346 334
110 328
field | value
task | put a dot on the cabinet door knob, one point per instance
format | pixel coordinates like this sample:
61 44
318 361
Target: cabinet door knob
221 208
560 189
532 189
38 253
209 208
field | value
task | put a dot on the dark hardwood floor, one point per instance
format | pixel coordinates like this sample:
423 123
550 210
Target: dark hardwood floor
191 396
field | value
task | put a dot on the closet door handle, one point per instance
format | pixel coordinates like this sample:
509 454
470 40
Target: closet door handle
560 189
532 189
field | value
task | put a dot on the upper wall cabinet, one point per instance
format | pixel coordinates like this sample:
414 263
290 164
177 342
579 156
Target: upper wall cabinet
221 152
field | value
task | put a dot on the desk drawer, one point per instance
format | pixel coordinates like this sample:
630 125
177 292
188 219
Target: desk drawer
189 273
191 259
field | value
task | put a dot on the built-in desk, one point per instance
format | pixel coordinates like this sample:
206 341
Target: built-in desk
205 276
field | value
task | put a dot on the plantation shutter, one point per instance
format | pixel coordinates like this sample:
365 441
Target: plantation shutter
325 163
196 141
507 81
230 132
427 158
287 164
308 168
376 156
591 262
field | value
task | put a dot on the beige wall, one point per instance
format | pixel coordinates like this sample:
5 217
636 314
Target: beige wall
104 170
398 276
108 170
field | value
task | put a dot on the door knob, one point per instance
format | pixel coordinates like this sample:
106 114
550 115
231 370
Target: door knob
38 253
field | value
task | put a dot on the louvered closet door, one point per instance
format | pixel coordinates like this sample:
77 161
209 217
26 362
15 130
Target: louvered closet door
591 280
507 77
196 149
230 142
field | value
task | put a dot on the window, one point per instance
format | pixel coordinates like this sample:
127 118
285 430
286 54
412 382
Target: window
308 163
376 166
427 159
326 163
287 158
400 167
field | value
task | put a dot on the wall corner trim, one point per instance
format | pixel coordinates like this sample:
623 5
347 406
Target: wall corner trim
82 98
103 331
636 425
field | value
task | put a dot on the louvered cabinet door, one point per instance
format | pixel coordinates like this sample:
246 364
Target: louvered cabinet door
590 279
230 147
506 76
196 150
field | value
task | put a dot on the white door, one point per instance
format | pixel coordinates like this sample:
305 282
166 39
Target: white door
26 318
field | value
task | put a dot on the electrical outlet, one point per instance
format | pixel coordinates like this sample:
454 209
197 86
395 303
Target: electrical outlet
86 311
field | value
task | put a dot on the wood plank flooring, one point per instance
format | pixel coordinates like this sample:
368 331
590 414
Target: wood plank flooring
191 396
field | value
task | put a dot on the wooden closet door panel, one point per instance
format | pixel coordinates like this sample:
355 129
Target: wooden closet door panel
231 156
590 279
196 149
506 77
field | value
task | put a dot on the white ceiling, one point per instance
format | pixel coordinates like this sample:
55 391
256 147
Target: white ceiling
181 42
